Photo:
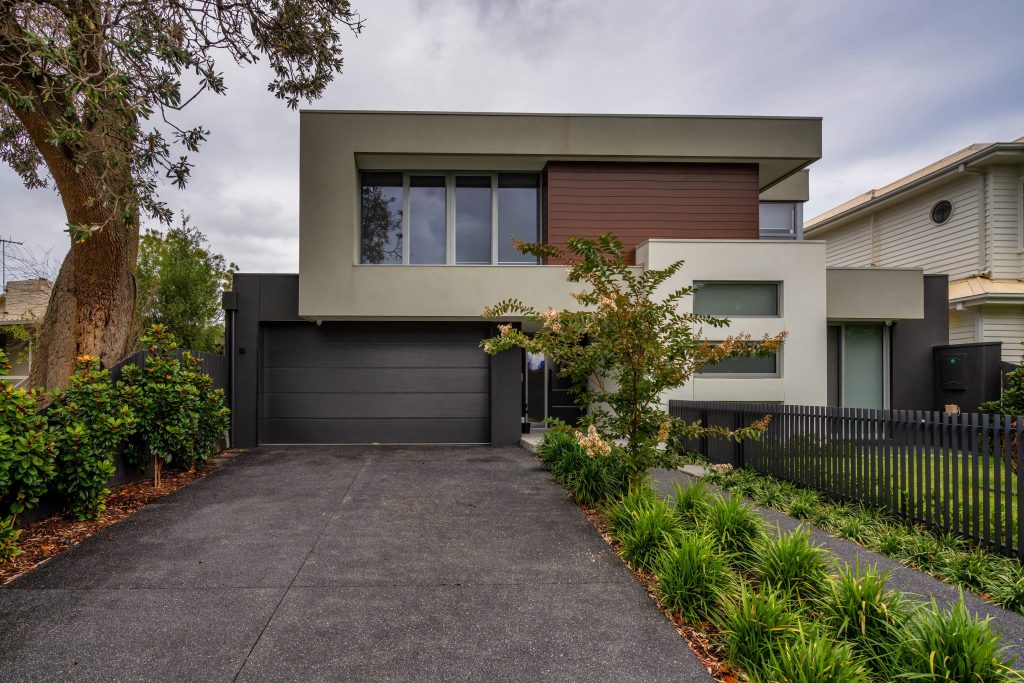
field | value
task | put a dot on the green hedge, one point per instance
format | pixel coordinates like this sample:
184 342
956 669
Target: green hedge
166 410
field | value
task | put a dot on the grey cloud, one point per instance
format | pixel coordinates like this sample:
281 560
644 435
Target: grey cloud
898 84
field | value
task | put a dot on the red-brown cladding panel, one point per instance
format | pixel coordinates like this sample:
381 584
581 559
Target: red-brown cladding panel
641 201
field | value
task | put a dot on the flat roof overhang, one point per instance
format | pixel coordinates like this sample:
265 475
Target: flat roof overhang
780 146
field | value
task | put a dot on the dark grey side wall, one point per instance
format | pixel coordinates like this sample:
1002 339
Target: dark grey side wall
262 298
912 343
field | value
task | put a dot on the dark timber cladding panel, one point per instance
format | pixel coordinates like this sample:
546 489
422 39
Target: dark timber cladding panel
362 382
641 201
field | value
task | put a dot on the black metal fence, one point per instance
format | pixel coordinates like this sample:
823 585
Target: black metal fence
953 473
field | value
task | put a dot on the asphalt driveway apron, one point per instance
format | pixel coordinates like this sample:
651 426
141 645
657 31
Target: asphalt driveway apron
345 563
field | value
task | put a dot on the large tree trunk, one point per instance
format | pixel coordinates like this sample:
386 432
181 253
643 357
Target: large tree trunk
93 301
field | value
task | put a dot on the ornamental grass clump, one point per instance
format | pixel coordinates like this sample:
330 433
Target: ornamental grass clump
793 566
551 447
652 530
953 645
754 626
734 526
693 577
802 504
858 608
692 500
1006 587
812 657
622 513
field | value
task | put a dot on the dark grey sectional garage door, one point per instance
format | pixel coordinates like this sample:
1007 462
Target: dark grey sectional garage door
357 382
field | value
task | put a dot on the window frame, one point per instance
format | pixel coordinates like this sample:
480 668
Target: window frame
450 217
778 374
778 294
886 361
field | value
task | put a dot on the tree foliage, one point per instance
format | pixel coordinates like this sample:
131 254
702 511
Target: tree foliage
628 344
103 82
180 282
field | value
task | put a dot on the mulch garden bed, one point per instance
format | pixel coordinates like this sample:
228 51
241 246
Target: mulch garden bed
51 536
710 655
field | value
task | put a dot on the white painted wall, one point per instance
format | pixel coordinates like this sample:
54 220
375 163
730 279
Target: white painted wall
800 267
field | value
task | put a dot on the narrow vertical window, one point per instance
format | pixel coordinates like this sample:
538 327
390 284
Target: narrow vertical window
428 239
381 218
473 219
518 215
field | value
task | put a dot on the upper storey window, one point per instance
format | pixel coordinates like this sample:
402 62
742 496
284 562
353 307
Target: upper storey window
781 220
447 218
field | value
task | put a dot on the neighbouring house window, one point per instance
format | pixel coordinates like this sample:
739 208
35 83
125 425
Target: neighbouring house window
942 211
780 220
428 215
766 366
737 299
518 215
857 365
381 224
448 218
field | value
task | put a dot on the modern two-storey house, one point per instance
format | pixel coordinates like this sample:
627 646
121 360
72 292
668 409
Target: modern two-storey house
406 228
962 216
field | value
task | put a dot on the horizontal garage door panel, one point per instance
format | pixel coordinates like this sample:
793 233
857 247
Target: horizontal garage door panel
369 382
398 355
409 406
375 380
376 431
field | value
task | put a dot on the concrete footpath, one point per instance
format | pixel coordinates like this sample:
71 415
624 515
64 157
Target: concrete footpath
345 563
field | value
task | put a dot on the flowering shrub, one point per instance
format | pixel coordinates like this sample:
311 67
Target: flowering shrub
214 415
625 348
26 459
88 424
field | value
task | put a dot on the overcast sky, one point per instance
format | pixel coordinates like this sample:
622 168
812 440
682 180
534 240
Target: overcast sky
899 84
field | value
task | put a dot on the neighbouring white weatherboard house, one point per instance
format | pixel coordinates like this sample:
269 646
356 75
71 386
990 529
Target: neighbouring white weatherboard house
22 307
406 222
961 217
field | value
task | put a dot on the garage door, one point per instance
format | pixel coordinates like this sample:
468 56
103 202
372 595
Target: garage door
349 382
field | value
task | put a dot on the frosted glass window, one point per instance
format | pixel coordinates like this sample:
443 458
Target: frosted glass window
743 365
473 219
863 366
428 241
777 216
759 299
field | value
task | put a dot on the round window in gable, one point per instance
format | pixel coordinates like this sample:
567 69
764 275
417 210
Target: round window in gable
942 211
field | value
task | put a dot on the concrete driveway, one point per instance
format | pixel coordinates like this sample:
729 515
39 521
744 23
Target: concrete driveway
345 563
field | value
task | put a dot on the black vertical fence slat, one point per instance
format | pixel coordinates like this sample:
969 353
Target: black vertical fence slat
955 473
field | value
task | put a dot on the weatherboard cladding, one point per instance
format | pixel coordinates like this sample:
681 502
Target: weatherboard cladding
641 201
1005 324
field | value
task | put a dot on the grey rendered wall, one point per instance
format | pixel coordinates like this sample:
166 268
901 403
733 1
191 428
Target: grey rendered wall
912 344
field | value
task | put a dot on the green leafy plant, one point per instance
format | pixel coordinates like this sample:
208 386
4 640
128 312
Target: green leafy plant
790 564
550 448
26 459
88 424
1005 586
802 504
859 609
652 530
811 657
754 626
627 346
692 577
953 645
214 415
691 502
623 512
734 525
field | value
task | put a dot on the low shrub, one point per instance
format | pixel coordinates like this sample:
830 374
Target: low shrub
969 570
812 658
653 529
770 494
792 565
858 608
892 541
802 504
734 525
691 502
550 448
953 645
1005 587
754 626
26 459
572 459
214 415
622 513
88 424
693 577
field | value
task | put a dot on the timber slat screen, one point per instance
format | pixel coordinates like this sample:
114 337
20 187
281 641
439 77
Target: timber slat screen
953 473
